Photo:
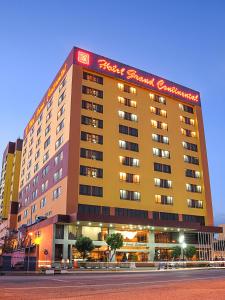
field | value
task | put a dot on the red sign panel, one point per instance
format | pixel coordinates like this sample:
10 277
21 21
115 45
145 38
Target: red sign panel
135 76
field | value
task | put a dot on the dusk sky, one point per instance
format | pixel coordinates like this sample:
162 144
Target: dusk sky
183 41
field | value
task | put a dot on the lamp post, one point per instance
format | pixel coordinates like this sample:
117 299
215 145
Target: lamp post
183 245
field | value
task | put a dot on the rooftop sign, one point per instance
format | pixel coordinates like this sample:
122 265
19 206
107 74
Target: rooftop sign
135 76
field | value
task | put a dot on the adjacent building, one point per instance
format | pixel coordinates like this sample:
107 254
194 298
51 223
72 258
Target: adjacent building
111 148
9 187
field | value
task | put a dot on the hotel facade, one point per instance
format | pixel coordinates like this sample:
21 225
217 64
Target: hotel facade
111 148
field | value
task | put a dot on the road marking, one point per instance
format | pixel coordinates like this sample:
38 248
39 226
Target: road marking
113 284
59 280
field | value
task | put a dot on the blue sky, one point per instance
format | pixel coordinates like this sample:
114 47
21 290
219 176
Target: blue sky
183 41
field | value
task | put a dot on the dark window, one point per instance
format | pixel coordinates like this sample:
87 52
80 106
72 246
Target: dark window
155 215
91 121
105 211
91 91
90 137
169 216
89 210
91 190
194 219
91 172
92 106
188 109
190 146
92 77
162 168
59 231
131 213
191 159
128 130
192 173
19 218
91 154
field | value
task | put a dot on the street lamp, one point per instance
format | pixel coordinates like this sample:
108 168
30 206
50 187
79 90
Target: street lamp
183 245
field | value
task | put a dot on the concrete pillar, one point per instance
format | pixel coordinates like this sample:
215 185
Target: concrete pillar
151 244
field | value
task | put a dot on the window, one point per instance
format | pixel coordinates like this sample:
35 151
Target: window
91 154
158 111
186 108
47 142
192 173
91 121
61 98
45 171
49 104
47 129
130 195
161 152
127 116
61 112
25 213
43 202
92 106
163 199
90 137
129 161
163 183
62 84
89 190
187 120
91 172
169 216
29 164
57 175
40 118
129 146
38 142
60 126
158 98
93 78
48 117
59 231
188 132
127 102
159 125
191 159
57 193
128 130
190 146
37 154
160 138
132 178
36 167
58 158
131 213
194 219
44 186
35 182
194 203
46 157
162 168
38 130
91 91
34 194
59 142
193 188
126 88
33 208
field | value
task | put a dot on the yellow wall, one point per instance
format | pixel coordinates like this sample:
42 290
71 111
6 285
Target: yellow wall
111 150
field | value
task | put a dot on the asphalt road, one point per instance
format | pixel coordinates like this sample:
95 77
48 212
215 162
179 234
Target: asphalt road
166 285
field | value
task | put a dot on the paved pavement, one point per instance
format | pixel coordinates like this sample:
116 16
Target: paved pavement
189 284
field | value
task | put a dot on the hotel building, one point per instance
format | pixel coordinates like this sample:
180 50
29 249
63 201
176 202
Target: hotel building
111 148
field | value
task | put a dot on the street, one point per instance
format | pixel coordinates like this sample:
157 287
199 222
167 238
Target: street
187 284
